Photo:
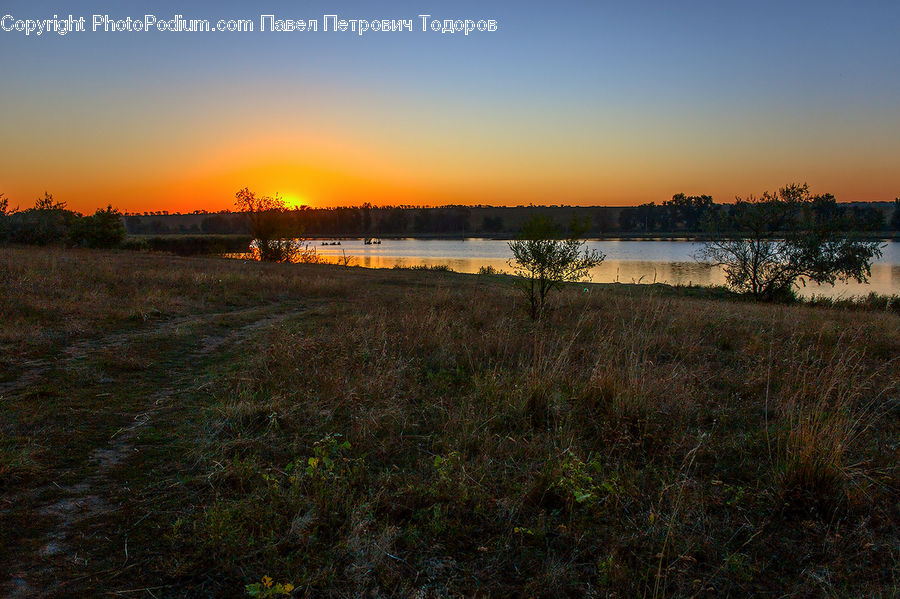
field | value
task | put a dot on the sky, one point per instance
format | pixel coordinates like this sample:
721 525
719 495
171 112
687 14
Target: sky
581 103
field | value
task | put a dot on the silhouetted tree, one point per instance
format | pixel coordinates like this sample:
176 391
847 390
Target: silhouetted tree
579 226
645 218
265 215
687 213
767 244
895 218
105 229
48 203
4 217
865 218
681 213
47 223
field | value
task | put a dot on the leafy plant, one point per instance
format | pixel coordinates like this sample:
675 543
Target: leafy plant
267 587
583 481
543 261
328 460
446 465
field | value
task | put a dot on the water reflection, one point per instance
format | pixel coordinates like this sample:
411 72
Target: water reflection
627 261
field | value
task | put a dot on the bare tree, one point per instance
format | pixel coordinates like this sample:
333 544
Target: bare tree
267 216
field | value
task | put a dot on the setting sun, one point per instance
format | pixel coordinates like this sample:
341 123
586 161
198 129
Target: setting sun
293 201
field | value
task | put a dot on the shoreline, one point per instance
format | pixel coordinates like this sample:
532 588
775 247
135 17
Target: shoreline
694 237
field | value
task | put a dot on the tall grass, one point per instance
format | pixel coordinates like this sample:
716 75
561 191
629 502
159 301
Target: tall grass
413 433
618 444
830 401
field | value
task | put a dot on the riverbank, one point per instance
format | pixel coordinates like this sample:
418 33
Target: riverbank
627 261
192 425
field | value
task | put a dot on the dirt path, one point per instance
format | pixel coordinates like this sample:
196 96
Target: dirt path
87 499
33 370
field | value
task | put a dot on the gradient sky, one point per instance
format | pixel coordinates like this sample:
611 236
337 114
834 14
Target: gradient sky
597 102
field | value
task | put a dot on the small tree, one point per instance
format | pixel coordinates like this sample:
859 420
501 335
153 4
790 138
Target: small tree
543 261
267 218
767 245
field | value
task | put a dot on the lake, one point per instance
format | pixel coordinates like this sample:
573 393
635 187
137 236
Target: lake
627 261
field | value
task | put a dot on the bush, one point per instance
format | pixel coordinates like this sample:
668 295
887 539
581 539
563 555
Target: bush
105 229
4 217
490 270
48 223
284 250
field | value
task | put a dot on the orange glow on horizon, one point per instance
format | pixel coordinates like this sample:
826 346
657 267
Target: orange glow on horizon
340 173
181 124
333 190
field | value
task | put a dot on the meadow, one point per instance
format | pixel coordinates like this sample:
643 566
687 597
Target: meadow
202 427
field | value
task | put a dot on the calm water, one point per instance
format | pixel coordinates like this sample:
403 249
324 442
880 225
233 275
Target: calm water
627 261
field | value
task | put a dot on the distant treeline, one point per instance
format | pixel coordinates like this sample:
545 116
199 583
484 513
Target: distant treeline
50 222
682 215
375 221
697 214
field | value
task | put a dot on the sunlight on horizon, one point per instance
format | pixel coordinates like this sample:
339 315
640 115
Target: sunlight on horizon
295 200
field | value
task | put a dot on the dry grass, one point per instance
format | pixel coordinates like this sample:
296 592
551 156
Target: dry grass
415 434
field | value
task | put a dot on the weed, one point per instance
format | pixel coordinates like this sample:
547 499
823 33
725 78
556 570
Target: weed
269 588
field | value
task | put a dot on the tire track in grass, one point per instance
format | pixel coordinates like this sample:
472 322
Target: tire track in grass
86 502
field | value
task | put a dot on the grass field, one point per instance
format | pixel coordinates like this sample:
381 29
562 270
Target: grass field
185 427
